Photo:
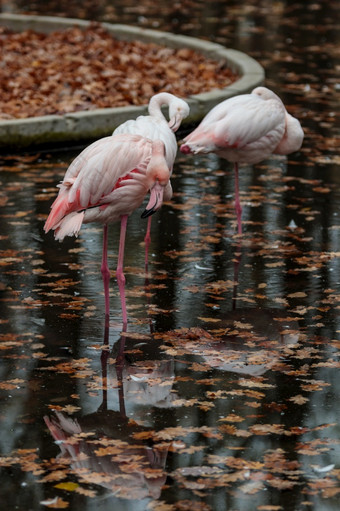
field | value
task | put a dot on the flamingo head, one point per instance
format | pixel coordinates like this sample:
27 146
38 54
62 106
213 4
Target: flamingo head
158 174
178 110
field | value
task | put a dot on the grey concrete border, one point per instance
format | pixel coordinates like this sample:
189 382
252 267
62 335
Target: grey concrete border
49 129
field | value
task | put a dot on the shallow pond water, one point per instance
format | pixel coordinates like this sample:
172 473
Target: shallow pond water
222 393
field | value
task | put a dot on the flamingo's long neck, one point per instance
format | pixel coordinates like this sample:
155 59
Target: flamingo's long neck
156 103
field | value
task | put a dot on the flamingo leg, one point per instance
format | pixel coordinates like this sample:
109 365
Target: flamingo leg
106 275
119 273
147 241
238 207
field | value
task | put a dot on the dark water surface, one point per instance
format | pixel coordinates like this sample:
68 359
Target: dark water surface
226 397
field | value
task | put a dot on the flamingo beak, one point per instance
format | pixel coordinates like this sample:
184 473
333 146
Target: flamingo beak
175 122
155 202
185 149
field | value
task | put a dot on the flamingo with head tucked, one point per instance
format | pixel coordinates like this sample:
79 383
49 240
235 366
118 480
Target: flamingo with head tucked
246 129
105 184
156 127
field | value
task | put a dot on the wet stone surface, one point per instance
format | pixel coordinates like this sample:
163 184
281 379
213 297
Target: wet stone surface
222 392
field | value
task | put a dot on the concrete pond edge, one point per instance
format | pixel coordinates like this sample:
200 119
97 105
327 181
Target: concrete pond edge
86 125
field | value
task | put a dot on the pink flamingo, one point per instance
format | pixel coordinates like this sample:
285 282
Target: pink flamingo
156 127
246 129
106 183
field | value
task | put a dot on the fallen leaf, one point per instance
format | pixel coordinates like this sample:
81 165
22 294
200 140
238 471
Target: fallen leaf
298 399
56 503
68 486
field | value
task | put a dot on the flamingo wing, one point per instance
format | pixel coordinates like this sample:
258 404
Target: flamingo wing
96 172
104 164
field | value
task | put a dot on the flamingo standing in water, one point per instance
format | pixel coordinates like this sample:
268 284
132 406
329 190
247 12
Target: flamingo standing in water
106 183
155 127
246 129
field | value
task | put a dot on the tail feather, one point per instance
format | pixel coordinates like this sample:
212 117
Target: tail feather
69 225
58 211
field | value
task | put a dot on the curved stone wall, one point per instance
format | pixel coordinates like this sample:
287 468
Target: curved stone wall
97 123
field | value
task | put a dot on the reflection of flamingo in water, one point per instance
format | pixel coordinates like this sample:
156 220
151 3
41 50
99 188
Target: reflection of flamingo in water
147 376
115 471
130 467
105 184
247 341
227 350
246 129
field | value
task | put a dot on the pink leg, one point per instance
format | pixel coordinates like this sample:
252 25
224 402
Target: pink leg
238 207
106 275
119 273
147 241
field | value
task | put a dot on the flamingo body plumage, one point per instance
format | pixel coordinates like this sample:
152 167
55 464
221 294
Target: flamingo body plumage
106 183
246 129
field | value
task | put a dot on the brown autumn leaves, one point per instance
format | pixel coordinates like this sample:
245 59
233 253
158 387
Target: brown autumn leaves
72 70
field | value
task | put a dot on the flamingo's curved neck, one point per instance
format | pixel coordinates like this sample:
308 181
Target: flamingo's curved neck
156 102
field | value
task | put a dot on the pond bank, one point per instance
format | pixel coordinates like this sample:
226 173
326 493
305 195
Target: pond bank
86 125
